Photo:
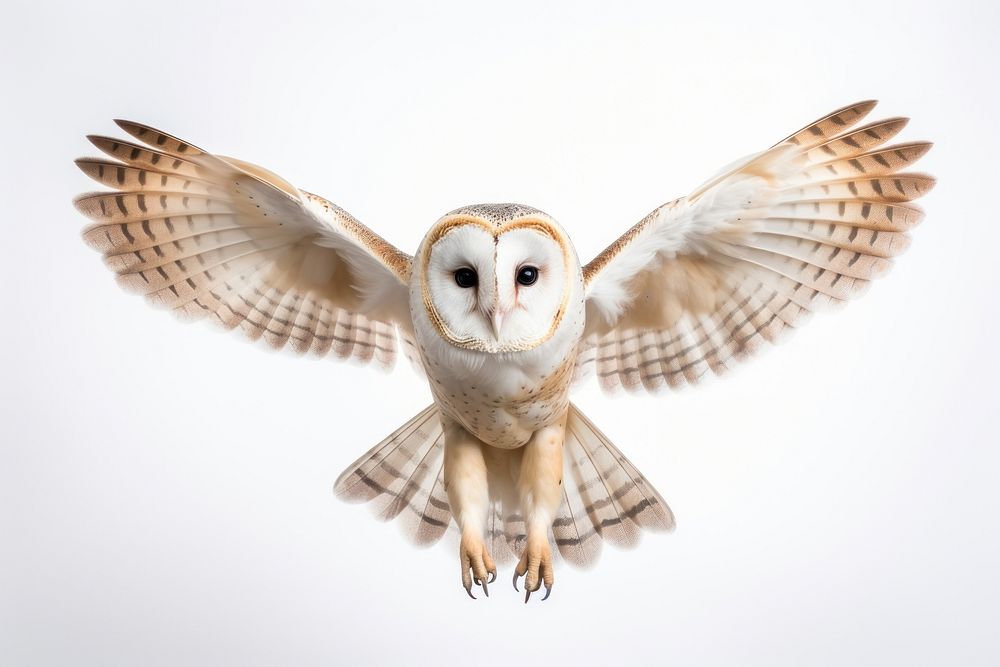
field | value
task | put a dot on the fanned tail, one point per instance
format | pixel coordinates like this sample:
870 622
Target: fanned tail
403 475
604 496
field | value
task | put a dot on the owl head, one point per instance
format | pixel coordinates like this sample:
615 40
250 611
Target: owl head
496 278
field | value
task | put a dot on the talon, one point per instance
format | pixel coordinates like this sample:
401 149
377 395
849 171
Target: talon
536 568
493 576
476 564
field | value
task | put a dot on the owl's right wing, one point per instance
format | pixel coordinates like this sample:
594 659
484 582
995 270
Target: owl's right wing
704 281
213 237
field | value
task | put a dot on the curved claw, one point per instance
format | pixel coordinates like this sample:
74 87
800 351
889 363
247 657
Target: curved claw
548 592
493 576
468 589
480 582
515 582
527 594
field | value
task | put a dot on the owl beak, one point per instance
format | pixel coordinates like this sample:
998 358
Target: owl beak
497 321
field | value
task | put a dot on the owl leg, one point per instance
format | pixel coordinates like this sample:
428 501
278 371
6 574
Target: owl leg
539 486
468 495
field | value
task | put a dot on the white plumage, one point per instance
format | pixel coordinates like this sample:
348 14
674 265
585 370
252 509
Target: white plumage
497 311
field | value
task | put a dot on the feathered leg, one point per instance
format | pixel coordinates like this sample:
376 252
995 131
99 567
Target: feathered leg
468 495
539 487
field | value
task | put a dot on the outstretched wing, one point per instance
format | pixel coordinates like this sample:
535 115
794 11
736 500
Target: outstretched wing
214 237
705 280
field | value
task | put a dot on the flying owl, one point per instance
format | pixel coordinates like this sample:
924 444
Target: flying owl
497 312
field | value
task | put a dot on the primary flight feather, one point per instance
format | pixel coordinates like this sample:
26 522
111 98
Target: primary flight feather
498 313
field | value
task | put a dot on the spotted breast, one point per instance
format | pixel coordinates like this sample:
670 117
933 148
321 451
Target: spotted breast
505 402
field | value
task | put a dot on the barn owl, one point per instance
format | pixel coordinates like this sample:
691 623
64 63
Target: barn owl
499 315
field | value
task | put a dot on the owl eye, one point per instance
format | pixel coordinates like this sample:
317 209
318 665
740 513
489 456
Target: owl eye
527 275
466 277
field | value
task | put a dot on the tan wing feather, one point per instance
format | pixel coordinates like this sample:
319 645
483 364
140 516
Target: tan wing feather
207 236
703 282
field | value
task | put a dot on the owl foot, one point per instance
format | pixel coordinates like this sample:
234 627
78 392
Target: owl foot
476 564
536 567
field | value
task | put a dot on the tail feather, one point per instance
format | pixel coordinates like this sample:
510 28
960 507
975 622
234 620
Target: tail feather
427 527
573 533
404 472
604 496
504 539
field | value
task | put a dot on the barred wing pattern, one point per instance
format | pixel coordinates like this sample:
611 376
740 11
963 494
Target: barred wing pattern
213 237
704 281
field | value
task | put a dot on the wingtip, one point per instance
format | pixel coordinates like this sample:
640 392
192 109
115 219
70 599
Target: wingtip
104 143
862 108
78 202
158 139
95 168
923 147
132 127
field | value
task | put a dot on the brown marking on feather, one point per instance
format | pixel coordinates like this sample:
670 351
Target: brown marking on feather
594 267
392 257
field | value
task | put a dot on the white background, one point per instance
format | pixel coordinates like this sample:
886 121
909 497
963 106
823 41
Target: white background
165 490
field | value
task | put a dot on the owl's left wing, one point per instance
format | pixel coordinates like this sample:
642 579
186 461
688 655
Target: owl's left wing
704 281
214 237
